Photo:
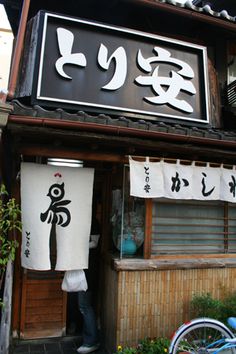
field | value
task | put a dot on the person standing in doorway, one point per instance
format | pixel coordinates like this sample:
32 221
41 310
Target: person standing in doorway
87 299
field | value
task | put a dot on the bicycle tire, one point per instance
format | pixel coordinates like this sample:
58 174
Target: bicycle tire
198 336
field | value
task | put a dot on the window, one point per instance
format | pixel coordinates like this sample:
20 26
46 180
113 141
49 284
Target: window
165 227
231 89
231 229
192 227
127 218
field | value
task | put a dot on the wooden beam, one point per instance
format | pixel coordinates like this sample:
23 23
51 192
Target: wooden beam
18 49
41 144
148 229
5 327
135 264
70 153
23 304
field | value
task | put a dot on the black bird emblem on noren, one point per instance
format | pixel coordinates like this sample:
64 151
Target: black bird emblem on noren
57 213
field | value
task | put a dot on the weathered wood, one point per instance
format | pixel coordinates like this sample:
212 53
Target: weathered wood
148 228
23 304
44 333
6 311
215 99
24 86
34 328
16 301
43 308
52 317
151 147
154 302
127 264
44 290
72 154
38 304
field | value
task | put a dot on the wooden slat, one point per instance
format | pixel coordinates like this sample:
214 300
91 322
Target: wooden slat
44 333
16 299
36 281
170 236
153 303
43 306
231 92
44 275
34 327
39 150
23 304
179 217
44 294
45 303
148 228
42 310
190 233
194 239
175 262
189 248
45 317
197 225
64 311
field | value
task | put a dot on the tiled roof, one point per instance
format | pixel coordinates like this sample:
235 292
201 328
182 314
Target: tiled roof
223 14
124 122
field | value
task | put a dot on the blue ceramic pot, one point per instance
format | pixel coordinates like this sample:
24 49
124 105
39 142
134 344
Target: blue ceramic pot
129 246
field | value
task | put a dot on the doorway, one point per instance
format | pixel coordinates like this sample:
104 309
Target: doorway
43 309
74 320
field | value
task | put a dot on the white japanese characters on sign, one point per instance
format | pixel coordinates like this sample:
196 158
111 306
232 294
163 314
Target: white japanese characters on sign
65 43
116 69
176 81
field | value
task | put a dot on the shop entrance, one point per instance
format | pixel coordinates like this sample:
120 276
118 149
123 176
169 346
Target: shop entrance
42 309
74 322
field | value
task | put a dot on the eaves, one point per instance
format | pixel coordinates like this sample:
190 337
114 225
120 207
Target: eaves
201 14
121 126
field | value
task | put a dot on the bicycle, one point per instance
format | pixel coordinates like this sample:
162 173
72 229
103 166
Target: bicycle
204 336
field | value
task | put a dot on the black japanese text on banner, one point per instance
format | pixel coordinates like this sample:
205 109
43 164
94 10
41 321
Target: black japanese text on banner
176 181
144 177
61 196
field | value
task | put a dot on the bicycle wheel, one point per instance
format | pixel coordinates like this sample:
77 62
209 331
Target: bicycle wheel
201 336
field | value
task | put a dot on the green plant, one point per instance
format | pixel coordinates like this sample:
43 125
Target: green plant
9 222
126 350
229 306
205 305
155 346
147 346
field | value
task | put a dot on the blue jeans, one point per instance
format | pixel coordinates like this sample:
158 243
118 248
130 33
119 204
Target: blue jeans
90 331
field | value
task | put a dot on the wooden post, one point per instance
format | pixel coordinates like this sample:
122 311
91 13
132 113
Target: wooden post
148 229
6 311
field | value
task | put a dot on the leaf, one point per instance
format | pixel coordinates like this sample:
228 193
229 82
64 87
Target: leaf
10 220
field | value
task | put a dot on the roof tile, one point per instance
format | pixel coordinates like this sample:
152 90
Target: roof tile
141 124
204 9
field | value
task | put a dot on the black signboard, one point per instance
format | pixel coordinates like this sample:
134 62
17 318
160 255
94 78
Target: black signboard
93 66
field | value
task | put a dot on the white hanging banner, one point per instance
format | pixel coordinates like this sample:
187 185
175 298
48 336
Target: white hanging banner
228 185
176 181
146 179
206 182
59 197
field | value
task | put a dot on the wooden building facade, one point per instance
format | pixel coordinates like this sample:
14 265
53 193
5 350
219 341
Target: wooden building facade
182 247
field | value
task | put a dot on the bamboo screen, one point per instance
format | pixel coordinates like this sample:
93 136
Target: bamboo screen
187 227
